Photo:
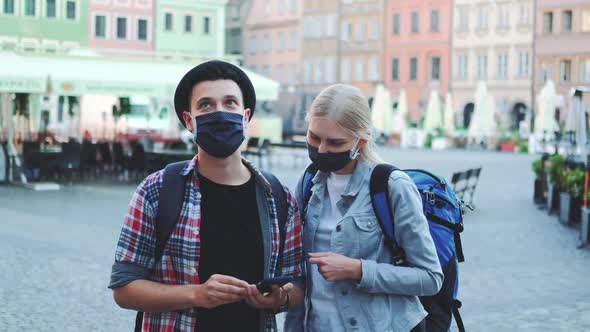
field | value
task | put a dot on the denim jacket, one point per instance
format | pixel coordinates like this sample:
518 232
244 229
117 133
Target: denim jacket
386 297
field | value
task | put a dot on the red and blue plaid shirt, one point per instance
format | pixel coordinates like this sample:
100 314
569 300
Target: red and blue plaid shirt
179 264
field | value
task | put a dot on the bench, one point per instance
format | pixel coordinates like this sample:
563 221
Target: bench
464 184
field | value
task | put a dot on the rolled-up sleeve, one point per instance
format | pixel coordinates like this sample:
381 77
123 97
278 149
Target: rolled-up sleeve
424 275
134 255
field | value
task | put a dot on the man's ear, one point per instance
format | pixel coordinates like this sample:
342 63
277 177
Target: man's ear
188 120
247 113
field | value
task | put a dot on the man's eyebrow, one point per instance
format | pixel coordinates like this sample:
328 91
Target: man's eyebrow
203 99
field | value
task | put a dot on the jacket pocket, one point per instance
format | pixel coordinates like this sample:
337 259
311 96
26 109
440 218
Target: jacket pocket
368 235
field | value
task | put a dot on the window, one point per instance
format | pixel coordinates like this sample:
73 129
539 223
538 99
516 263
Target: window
360 31
523 17
168 22
586 20
396 23
266 70
585 71
253 44
206 25
565 71
293 6
8 6
503 17
413 69
266 44
482 19
415 22
142 26
121 28
100 26
235 12
330 70
331 25
523 64
548 22
502 66
345 30
279 73
463 19
307 72
360 70
318 71
293 40
567 21
188 23
435 69
374 30
345 70
395 69
30 9
281 7
434 21
546 72
50 9
292 74
462 67
482 67
281 39
373 69
71 10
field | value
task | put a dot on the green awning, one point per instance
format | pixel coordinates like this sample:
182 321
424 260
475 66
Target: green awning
74 75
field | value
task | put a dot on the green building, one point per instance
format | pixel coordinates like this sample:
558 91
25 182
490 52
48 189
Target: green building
50 26
190 27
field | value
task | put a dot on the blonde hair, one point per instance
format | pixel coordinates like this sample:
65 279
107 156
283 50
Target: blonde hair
347 106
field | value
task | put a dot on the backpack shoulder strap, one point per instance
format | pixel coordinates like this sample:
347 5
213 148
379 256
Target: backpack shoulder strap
306 185
170 203
379 189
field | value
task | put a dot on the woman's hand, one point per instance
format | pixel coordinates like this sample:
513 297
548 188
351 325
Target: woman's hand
336 267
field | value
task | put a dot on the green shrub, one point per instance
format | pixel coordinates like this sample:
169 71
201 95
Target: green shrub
574 181
556 168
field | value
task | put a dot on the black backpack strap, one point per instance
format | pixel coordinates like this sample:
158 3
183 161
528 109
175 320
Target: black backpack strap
379 189
457 316
306 185
280 198
169 205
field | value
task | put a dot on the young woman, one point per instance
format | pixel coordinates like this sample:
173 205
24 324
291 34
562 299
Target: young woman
351 283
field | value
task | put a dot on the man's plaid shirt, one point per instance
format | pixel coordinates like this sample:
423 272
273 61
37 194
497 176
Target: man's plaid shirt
180 261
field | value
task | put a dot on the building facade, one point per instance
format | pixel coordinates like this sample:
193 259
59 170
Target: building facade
184 28
235 20
272 40
121 26
493 42
48 26
562 44
417 51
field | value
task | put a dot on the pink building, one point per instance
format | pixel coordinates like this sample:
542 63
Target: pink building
121 26
417 50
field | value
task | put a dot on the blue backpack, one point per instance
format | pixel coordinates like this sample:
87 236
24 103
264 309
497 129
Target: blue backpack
445 220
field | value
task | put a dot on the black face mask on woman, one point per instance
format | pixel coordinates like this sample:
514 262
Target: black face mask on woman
331 162
219 133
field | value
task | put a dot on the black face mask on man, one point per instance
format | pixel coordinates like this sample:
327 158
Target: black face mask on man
332 162
219 133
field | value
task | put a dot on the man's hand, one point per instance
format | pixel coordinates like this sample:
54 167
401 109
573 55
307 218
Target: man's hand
336 267
273 301
220 290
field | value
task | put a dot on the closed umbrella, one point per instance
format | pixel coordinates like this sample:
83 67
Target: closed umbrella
433 119
399 122
381 111
478 118
449 115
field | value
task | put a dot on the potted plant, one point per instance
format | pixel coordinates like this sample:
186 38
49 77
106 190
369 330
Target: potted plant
555 167
571 198
539 192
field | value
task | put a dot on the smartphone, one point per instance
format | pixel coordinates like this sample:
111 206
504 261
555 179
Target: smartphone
265 286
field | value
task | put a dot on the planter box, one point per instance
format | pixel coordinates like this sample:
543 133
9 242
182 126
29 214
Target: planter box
584 226
539 196
569 209
552 199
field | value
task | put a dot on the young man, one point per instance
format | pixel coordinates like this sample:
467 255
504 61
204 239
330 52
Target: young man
227 235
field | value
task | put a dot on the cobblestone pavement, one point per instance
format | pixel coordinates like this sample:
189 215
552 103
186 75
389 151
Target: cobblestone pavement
522 270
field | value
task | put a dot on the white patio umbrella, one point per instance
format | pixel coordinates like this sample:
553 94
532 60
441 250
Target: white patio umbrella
479 117
399 122
579 124
449 115
381 111
545 117
433 119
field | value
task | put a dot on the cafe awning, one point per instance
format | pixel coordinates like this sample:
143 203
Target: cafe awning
98 75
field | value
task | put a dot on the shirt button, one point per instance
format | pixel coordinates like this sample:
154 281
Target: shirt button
353 322
196 232
338 228
369 224
192 270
